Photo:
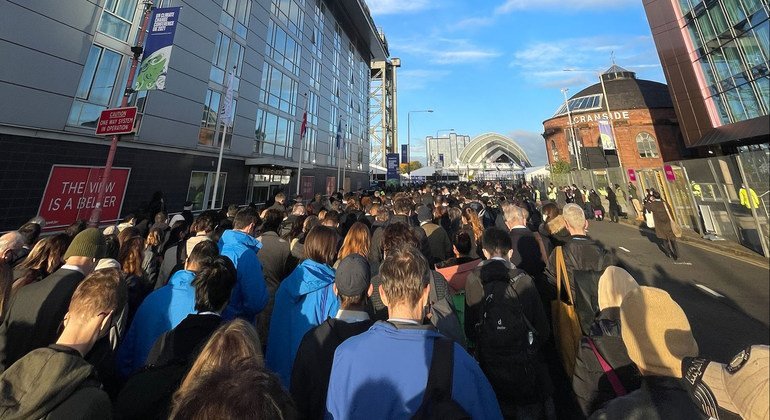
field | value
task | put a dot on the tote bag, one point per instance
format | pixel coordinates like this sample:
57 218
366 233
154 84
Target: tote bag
565 320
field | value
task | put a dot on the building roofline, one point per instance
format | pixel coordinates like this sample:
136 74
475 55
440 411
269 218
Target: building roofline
355 14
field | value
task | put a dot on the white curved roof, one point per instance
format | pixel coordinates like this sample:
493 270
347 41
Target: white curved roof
491 147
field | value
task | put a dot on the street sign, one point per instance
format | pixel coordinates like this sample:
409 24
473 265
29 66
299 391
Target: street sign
670 176
116 121
72 192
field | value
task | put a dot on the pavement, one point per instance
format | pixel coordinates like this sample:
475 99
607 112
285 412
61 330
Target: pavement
724 291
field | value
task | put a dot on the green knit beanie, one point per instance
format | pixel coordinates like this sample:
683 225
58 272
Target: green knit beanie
88 243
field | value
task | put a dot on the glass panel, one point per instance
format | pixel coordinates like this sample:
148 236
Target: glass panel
734 11
752 5
104 79
751 50
718 18
718 58
763 37
706 29
114 26
734 60
126 9
88 72
750 102
763 86
197 190
736 107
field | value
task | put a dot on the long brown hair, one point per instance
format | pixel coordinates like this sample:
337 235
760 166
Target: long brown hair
321 245
230 343
472 218
130 256
46 257
356 241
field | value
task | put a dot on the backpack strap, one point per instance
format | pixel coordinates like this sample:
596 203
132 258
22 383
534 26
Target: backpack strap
612 376
513 281
439 387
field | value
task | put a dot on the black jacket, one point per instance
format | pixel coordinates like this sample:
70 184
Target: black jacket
659 398
313 364
184 341
526 251
35 315
438 240
590 383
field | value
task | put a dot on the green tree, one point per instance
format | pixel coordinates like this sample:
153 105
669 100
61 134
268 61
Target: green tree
413 166
560 167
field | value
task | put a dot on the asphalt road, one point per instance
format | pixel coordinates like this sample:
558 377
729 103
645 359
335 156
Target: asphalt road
726 299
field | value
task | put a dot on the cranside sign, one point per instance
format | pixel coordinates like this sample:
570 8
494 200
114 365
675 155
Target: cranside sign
116 121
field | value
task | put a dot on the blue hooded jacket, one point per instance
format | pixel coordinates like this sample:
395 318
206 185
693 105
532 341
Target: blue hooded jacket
382 374
161 311
250 293
303 301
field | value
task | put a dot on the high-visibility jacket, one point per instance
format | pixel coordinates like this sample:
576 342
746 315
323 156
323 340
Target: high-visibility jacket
552 193
744 196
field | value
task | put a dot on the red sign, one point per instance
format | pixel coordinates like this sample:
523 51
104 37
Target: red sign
71 194
116 121
632 175
308 187
670 175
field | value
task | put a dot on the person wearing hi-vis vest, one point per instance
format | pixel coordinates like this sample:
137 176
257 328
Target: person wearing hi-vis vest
696 189
749 199
552 192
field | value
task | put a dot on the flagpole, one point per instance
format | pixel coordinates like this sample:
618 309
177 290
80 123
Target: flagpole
301 145
339 143
222 141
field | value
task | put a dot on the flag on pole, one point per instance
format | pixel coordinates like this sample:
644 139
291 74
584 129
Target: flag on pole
340 139
226 112
303 127
605 132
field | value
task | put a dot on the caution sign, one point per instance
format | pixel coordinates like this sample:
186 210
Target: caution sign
116 121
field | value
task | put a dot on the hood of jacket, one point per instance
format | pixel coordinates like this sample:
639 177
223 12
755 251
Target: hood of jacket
182 278
41 380
195 240
556 224
309 277
235 237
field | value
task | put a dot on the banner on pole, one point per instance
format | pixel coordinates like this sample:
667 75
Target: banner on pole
605 132
157 49
226 113
391 164
632 175
404 153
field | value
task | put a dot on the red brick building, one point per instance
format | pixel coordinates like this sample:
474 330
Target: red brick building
641 113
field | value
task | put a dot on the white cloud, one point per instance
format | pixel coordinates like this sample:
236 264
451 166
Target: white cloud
444 50
533 144
416 79
515 5
392 7
544 62
473 22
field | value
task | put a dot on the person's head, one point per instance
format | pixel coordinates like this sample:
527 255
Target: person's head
246 220
201 256
130 256
321 245
232 210
85 249
655 195
10 245
496 242
462 244
383 215
614 285
396 235
356 241
656 332
331 219
93 308
214 284
403 206
231 342
280 197
405 281
161 217
29 233
424 214
455 214
240 390
575 218
309 223
298 210
352 282
205 222
75 228
111 246
154 238
272 220
514 215
471 217
550 211
127 233
48 254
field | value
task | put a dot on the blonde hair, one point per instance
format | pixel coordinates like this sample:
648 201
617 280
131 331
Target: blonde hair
232 342
101 291
574 216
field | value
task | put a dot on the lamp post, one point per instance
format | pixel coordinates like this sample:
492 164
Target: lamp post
409 140
575 143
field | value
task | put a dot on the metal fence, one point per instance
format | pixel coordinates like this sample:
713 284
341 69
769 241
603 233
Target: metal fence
722 197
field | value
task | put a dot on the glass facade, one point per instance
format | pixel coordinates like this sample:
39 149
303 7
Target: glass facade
646 145
96 86
731 39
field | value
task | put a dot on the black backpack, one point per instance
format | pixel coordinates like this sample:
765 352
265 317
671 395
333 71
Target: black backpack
507 343
437 402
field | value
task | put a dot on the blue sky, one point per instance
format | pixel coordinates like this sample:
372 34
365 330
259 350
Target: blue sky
497 65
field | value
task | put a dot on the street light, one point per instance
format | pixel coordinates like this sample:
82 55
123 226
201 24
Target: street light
409 140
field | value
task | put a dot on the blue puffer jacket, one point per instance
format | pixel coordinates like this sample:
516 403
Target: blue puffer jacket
161 311
303 301
249 294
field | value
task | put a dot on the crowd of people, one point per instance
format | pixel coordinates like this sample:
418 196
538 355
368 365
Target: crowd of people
425 302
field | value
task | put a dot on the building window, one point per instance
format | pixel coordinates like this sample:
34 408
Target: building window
273 134
117 18
96 86
283 48
228 54
279 90
235 16
211 106
554 151
201 189
290 13
647 145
